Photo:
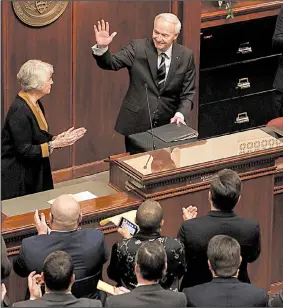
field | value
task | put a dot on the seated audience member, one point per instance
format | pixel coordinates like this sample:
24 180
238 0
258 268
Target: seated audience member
225 290
224 194
150 268
149 218
86 246
58 277
5 271
276 300
5 263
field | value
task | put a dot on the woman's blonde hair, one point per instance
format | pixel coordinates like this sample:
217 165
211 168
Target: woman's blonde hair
34 74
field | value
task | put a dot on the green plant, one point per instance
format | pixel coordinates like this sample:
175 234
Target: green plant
228 7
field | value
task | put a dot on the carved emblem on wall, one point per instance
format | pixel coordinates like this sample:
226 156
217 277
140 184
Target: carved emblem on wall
39 13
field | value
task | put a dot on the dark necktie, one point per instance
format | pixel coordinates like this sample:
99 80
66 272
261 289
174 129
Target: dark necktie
161 72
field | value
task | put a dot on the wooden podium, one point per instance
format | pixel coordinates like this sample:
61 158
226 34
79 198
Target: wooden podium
180 176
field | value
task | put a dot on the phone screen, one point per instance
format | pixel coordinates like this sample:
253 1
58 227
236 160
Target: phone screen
132 228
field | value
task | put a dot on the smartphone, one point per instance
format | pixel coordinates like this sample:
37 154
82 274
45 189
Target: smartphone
132 228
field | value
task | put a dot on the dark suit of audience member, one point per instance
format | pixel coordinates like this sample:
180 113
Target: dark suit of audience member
122 264
225 290
5 269
276 300
150 267
86 246
5 263
277 41
58 276
225 190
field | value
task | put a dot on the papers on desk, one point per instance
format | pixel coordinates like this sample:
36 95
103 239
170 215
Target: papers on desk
81 196
130 215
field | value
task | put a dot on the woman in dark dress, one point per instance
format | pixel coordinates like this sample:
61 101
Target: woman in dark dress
26 142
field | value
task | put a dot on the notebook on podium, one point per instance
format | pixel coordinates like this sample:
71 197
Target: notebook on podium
174 132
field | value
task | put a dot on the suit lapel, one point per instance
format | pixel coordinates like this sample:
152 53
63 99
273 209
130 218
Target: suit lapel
151 54
175 62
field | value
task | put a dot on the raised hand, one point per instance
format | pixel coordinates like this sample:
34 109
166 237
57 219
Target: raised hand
34 285
101 32
40 223
190 212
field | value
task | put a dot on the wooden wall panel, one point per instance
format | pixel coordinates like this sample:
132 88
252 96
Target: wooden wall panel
98 94
51 44
191 39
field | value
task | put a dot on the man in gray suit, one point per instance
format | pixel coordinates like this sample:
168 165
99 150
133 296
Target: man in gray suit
58 277
160 70
151 265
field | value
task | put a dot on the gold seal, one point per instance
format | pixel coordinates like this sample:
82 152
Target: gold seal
39 13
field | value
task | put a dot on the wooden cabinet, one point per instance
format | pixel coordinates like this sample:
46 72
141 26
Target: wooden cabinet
237 69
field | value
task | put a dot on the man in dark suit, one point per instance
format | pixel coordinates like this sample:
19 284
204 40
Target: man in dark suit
58 277
277 41
86 246
158 68
150 268
225 290
5 271
224 194
5 263
149 218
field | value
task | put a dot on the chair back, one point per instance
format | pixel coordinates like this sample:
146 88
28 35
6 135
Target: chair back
277 122
87 287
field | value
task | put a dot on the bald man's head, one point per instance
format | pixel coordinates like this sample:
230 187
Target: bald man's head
65 213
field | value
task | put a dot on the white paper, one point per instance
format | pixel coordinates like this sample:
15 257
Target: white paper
81 196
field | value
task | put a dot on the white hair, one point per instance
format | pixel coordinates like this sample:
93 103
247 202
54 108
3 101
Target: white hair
171 18
34 74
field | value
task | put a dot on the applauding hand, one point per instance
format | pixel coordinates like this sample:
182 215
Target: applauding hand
69 137
34 284
101 31
190 212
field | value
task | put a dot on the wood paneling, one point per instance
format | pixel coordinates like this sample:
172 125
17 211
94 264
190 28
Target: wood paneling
98 93
191 39
50 44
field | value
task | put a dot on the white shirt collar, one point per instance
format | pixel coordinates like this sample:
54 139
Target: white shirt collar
168 52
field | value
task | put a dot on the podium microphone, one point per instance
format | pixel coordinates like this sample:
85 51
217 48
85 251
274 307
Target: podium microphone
150 119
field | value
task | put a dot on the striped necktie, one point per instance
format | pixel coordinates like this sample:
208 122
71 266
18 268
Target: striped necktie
161 72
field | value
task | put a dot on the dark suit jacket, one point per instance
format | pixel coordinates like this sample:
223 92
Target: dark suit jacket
5 263
122 264
276 300
147 296
197 232
277 41
226 292
59 300
140 58
86 247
